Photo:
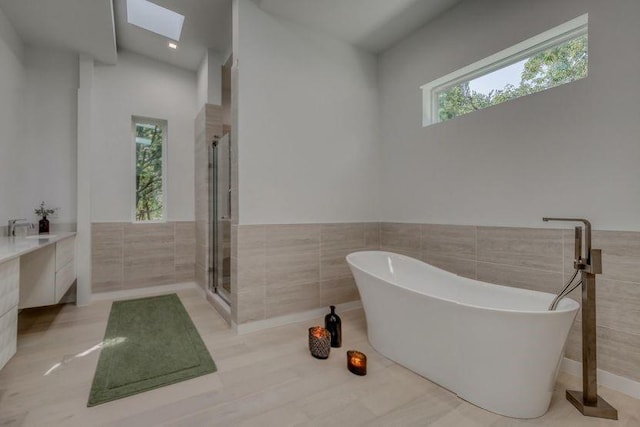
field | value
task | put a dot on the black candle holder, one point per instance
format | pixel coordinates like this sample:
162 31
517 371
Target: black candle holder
357 362
319 342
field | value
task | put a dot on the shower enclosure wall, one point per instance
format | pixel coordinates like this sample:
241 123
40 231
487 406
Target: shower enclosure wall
219 278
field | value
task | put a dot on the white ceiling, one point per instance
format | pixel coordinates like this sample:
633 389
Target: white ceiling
87 26
373 25
207 24
84 26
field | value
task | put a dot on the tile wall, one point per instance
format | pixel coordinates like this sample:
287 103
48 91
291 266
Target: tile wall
129 256
285 269
541 259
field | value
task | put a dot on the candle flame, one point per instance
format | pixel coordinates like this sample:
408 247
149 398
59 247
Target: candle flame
319 332
357 359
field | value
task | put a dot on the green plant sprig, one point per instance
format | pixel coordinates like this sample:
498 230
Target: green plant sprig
43 211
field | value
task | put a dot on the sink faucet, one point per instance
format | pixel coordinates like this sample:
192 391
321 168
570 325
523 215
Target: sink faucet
13 224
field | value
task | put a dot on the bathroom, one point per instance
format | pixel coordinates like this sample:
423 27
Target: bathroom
321 107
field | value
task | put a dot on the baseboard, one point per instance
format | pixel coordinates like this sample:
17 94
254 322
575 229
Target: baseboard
142 292
259 325
605 379
219 305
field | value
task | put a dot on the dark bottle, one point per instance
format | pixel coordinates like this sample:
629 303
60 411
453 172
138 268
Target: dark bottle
333 324
43 226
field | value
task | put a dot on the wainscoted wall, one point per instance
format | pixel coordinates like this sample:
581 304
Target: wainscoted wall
127 256
208 124
541 259
284 269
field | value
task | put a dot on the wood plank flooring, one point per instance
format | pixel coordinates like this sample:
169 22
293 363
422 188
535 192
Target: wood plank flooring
264 379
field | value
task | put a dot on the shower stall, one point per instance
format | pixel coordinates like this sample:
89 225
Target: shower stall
220 217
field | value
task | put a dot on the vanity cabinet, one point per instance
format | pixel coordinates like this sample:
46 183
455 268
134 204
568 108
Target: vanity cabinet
9 285
34 271
47 274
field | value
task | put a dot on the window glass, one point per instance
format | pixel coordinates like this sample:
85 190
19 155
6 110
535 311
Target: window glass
149 159
561 64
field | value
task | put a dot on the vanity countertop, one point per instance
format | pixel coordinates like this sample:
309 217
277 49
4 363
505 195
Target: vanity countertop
13 247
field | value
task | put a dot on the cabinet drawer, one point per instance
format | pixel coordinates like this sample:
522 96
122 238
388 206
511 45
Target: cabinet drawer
9 285
64 279
65 252
37 278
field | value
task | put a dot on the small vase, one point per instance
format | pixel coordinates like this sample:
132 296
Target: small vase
333 324
43 225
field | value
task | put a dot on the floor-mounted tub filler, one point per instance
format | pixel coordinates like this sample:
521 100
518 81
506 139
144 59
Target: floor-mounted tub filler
497 347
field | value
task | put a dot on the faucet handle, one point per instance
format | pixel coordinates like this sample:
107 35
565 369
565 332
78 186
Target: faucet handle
579 264
596 261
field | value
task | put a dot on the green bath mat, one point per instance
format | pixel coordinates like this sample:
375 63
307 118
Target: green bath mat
149 343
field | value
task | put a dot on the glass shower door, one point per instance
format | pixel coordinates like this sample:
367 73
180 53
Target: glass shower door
220 213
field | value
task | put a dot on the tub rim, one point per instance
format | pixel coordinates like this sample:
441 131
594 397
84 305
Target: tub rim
573 304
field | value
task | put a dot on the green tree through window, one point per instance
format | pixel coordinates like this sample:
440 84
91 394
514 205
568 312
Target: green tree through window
562 64
149 164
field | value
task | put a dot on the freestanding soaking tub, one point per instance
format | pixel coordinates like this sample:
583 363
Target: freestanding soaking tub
494 346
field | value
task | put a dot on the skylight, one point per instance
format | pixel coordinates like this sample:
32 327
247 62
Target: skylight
150 16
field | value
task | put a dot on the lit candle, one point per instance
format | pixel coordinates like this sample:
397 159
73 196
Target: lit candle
357 362
319 342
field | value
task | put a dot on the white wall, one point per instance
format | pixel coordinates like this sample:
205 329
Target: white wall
209 77
38 110
307 124
11 120
202 81
570 151
138 86
50 143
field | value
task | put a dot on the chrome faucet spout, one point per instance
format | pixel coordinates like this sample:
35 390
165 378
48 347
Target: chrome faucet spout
13 224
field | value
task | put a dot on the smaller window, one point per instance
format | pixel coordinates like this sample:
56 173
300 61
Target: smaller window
149 140
550 59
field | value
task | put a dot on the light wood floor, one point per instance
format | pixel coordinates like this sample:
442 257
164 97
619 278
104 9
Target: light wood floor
264 379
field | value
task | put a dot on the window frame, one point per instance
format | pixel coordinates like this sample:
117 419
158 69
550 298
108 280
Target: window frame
163 124
570 30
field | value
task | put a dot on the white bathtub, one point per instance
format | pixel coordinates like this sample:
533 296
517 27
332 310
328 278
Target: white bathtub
494 346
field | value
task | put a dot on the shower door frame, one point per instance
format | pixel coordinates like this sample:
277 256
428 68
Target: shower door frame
216 247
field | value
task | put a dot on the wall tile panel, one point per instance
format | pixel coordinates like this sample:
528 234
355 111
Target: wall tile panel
404 237
454 241
338 291
130 256
521 247
107 251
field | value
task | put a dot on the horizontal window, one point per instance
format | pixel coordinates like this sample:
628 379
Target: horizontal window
553 58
